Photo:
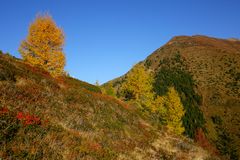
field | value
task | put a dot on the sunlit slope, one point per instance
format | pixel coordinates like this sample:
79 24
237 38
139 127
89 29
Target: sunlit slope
214 65
64 118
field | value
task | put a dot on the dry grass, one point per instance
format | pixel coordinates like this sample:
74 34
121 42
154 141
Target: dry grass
214 65
75 121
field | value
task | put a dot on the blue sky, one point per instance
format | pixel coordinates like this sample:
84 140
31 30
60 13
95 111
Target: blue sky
105 38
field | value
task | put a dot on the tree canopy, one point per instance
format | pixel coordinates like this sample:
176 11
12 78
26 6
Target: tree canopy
138 86
43 46
171 110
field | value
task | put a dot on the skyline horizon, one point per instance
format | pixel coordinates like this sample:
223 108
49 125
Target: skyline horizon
97 81
105 39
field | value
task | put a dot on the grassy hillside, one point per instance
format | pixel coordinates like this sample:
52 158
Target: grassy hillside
206 72
64 118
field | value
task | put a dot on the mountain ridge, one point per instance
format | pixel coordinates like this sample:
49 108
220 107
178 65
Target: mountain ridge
214 66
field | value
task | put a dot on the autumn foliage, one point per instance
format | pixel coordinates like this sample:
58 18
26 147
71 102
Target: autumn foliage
202 140
138 86
171 110
28 119
43 46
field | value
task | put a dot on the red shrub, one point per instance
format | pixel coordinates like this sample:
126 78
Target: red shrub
20 116
4 110
38 70
93 146
28 119
201 139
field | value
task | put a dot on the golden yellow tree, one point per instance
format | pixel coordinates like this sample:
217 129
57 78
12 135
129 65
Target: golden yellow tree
138 86
171 110
108 89
43 46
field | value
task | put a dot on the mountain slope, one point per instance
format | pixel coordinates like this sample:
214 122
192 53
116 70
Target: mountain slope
213 66
64 118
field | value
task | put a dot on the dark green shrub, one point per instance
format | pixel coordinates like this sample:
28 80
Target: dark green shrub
216 120
148 63
8 126
7 71
226 144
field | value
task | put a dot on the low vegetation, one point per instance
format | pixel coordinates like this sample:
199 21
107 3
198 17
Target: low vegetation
205 73
42 117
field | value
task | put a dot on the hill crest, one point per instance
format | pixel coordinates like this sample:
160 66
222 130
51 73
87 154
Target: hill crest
214 66
64 118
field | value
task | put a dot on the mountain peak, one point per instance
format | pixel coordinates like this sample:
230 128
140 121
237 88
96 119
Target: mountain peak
213 64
